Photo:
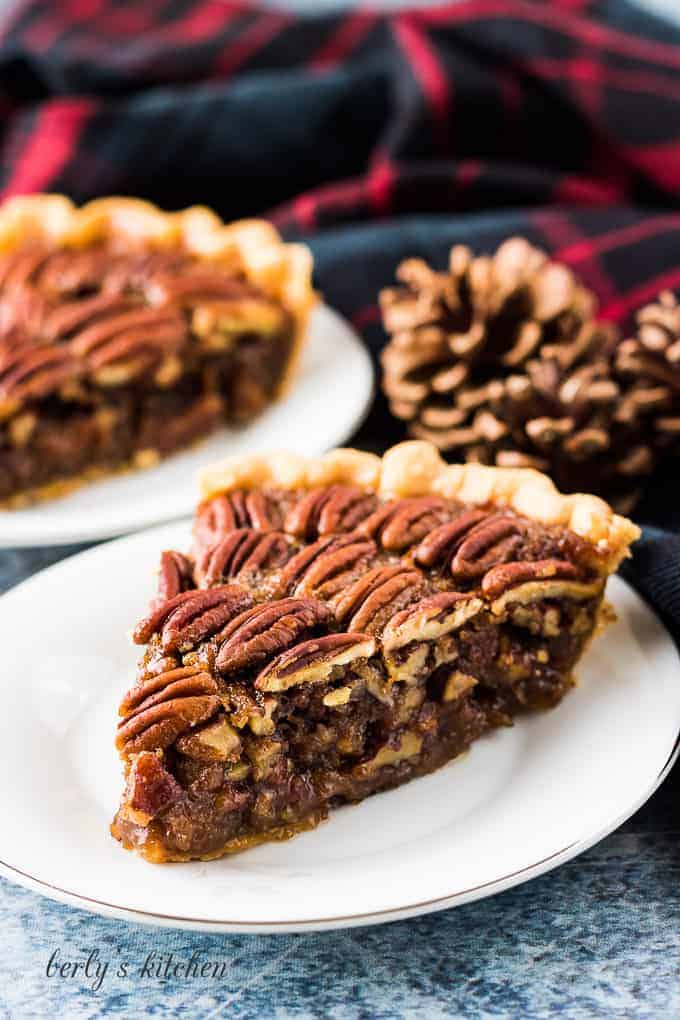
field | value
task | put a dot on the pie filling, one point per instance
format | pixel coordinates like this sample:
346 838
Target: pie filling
115 357
319 646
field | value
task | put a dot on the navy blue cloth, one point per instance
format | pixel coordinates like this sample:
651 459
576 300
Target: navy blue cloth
342 116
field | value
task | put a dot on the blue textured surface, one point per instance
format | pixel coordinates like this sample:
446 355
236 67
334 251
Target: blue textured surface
599 937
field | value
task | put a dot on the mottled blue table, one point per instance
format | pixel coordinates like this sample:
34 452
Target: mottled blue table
599 937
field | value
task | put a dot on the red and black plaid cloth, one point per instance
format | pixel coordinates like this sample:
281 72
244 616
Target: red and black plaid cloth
375 137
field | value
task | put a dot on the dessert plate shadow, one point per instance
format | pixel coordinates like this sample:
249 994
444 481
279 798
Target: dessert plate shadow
522 801
328 400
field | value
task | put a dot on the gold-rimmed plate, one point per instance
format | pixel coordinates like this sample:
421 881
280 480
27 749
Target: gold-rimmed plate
521 802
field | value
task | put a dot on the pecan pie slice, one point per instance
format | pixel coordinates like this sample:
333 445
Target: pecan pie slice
342 625
127 333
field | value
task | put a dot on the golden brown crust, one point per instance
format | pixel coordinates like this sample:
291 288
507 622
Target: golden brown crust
415 468
283 271
158 854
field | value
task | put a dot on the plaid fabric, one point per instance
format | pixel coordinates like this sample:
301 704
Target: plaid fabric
478 104
386 129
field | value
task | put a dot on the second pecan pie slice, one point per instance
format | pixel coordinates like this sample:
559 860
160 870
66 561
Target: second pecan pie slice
127 333
342 625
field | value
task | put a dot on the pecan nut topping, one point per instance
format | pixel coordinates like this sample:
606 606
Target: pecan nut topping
328 511
160 708
266 630
372 600
244 550
32 373
136 317
126 345
313 661
237 509
526 582
508 575
192 616
492 541
400 524
325 567
111 335
174 576
71 317
298 564
335 568
429 619
440 544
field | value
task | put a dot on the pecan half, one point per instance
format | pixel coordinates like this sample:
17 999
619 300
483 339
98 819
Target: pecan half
337 567
401 523
237 509
197 282
244 550
325 567
509 575
266 630
313 661
329 510
439 545
72 316
372 600
214 519
174 575
133 340
160 708
524 582
262 511
32 372
492 541
429 619
298 564
18 266
191 617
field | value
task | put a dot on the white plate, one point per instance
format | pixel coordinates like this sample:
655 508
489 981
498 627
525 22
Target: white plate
519 803
329 399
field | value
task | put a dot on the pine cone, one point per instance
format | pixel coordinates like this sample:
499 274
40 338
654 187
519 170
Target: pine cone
649 366
500 361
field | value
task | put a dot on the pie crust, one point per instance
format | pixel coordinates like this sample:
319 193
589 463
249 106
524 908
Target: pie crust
416 468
